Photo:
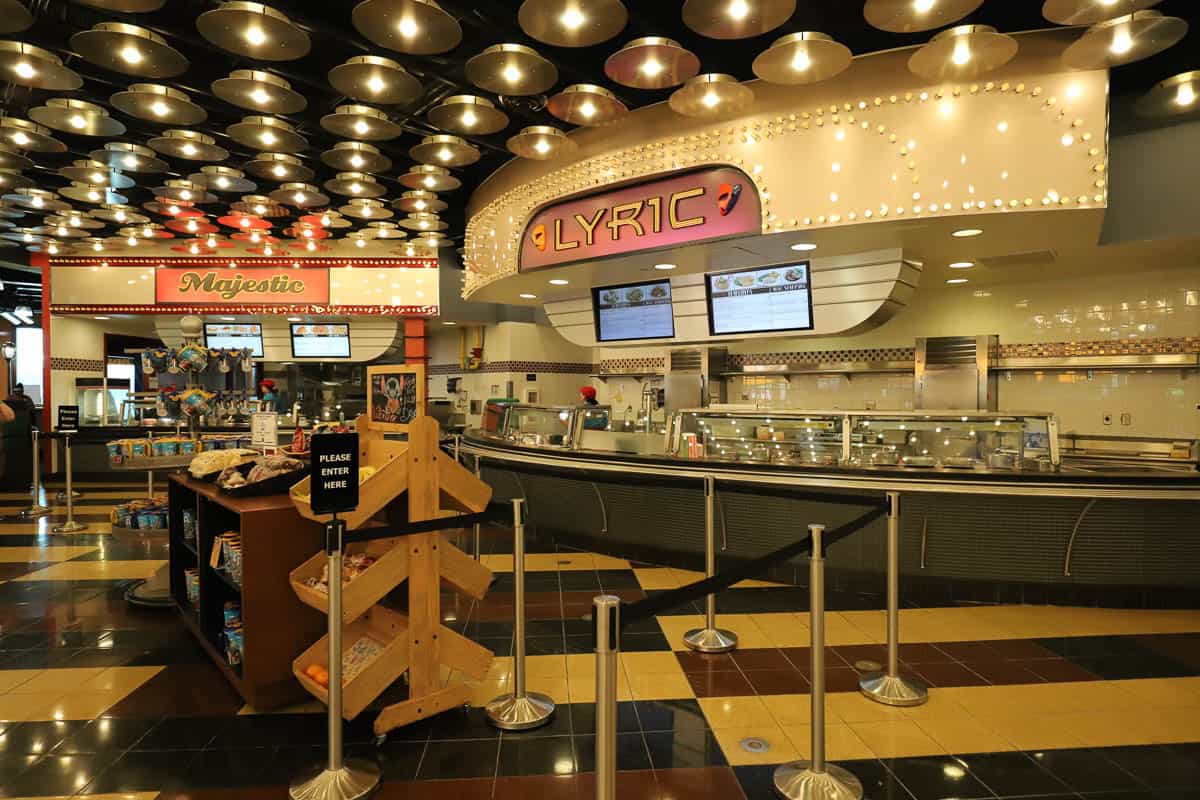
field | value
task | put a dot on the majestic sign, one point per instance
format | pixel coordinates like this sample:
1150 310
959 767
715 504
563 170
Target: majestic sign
225 285
671 212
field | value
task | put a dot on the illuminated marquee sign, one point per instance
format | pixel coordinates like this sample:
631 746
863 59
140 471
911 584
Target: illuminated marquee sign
225 285
680 210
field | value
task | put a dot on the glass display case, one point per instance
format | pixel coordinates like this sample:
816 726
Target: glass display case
768 437
553 426
100 400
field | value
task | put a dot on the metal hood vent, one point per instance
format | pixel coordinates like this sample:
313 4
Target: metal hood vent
1032 258
955 372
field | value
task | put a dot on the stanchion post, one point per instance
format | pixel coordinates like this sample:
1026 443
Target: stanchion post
710 638
815 779
36 509
606 613
519 710
70 526
477 529
338 779
890 687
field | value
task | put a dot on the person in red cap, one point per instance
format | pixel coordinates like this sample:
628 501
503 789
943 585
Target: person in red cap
587 395
593 420
266 393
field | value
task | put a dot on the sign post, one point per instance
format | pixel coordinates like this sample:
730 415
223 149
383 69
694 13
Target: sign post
335 490
68 423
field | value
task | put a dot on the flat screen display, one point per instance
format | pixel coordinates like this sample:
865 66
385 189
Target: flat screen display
320 340
234 336
764 300
634 311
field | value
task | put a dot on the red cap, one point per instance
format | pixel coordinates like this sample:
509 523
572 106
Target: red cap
588 391
267 382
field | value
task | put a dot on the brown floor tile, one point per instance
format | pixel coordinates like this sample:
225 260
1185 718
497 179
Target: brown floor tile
841 679
921 653
943 675
967 651
717 783
638 785
247 793
10 571
1019 649
852 653
801 658
761 659
1059 670
702 662
719 684
181 690
1001 673
542 787
474 789
777 681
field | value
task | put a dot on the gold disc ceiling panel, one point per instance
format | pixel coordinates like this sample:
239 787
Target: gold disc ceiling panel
129 49
416 27
256 90
572 23
652 62
254 31
736 19
911 16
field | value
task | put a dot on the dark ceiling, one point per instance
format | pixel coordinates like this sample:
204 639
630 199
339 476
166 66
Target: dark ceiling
485 22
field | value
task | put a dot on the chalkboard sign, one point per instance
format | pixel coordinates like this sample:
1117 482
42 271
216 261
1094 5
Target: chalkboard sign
395 396
68 418
334 472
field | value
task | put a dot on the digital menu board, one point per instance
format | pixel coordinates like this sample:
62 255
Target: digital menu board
320 340
634 311
768 299
234 336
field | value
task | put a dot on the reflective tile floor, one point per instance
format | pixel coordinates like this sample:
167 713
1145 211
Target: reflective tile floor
98 697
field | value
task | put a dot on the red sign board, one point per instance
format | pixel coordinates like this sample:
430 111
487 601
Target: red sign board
672 212
229 285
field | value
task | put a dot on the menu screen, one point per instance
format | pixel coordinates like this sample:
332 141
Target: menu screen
634 311
321 340
762 300
234 336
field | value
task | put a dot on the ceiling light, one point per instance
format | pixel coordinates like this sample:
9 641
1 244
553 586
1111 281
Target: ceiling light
131 55
268 250
527 296
194 249
361 127
360 242
804 247
130 161
255 237
266 137
25 70
131 241
20 138
376 84
924 6
468 118
299 197
447 322
212 241
954 281
512 73
444 154
966 233
310 246
99 177
542 146
255 36
159 108
147 231
244 222
280 170
260 96
62 231
185 194
739 10
588 109
559 281
223 182
1122 41
408 28
430 181
801 61
97 246
962 264
356 187
1186 95
664 267
572 19
259 209
101 318
120 215
191 225
420 205
38 202
77 121
711 99
189 149
962 52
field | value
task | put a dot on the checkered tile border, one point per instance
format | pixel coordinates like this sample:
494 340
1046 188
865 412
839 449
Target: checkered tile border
76 365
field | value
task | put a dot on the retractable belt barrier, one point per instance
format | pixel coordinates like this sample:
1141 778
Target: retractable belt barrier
495 512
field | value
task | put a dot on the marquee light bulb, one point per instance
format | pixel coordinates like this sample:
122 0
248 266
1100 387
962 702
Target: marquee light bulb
739 10
131 55
25 70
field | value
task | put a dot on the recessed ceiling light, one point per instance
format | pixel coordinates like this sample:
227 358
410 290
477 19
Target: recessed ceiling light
559 281
962 264
293 319
527 296
956 280
101 318
664 267
229 319
447 322
804 247
966 233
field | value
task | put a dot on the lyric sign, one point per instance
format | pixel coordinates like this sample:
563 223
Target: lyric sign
680 210
334 472
224 285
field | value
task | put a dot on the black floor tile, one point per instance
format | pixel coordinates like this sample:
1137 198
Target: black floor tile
462 723
545 755
59 775
12 767
35 738
686 749
459 759
183 733
1160 767
214 769
107 734
1085 770
878 782
583 718
398 761
257 730
631 752
670 715
144 771
937 778
1012 774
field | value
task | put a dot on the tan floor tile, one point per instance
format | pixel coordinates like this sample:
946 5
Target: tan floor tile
581 665
564 562
59 681
674 627
12 678
897 739
24 555
582 689
854 707
648 664
939 706
1004 701
1106 728
1034 732
498 563
546 666
781 748
1164 692
660 687
501 669
965 734
790 710
750 636
1175 725
841 742
83 705
657 578
95 571
484 692
737 712
27 707
555 687
610 562
120 679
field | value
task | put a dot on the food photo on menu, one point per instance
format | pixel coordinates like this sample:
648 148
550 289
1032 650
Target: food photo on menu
767 299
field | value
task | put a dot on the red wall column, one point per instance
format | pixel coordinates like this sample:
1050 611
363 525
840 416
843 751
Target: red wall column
416 346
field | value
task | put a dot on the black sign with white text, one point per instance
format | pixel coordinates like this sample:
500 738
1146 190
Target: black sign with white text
68 418
334 472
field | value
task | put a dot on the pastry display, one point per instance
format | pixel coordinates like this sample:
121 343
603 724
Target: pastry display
210 461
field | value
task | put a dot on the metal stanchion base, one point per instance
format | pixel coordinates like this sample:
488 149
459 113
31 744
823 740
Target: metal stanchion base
710 640
796 782
62 496
70 527
35 511
894 690
155 592
511 713
356 779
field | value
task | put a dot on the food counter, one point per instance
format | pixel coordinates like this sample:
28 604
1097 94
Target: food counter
991 508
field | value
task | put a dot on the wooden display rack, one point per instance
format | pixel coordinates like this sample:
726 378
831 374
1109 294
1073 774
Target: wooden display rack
417 642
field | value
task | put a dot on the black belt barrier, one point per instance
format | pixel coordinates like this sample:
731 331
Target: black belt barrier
495 512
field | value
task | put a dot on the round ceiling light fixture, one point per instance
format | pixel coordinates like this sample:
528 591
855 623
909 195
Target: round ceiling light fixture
119 214
366 208
90 193
652 62
254 30
445 150
223 179
1124 40
14 16
803 57
10 159
736 19
300 195
431 178
963 53
511 69
130 50
419 200
27 65
711 95
468 114
97 173
911 16
423 222
76 116
572 23
266 133
967 233
586 104
356 157
375 79
355 184
187 191
157 103
1089 12
385 230
256 90
129 158
416 27
1175 96
541 143
279 167
188 145
362 123
259 205
125 6
26 135
11 180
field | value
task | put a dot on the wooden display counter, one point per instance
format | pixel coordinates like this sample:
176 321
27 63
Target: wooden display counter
276 626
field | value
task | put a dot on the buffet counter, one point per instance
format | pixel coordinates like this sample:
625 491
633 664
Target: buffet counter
1123 534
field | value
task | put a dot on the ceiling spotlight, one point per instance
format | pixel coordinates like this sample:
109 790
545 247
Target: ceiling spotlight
527 296
376 84
962 53
408 28
300 197
132 241
542 146
962 264
924 6
664 267
738 10
468 119
1122 41
131 55
24 70
512 73
255 36
360 242
189 149
260 96
130 161
966 233
77 121
267 138
953 281
804 247
94 196
1185 95
38 202
559 281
